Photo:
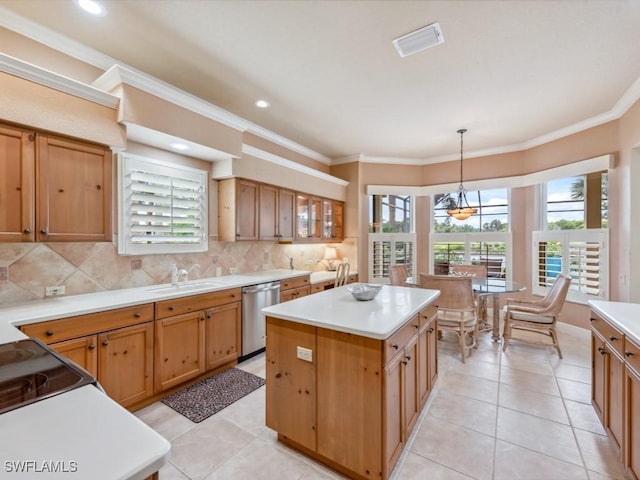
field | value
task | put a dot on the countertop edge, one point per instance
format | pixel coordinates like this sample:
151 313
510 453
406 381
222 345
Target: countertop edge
618 314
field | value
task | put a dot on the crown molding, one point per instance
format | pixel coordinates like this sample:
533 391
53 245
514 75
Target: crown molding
285 142
38 75
276 159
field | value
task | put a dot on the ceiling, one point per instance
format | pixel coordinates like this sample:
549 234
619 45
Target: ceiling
512 72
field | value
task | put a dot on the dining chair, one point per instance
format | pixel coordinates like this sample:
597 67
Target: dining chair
537 316
456 309
398 275
342 274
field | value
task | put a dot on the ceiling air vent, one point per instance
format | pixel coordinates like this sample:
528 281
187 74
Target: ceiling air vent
418 40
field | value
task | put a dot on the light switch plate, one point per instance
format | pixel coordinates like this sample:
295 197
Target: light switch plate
305 354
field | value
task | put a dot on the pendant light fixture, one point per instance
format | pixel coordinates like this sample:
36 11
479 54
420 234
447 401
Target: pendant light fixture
462 210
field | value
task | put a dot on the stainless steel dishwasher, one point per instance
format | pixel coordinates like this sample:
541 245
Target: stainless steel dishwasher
254 299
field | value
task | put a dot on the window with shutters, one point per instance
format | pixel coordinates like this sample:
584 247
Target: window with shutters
163 207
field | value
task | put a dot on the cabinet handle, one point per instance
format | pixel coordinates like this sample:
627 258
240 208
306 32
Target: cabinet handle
593 319
105 342
602 350
99 187
628 353
417 327
612 338
431 330
137 314
233 295
49 333
394 346
26 230
408 358
91 347
61 190
44 231
404 362
171 308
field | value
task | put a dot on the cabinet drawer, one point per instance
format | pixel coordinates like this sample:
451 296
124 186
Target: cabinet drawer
632 355
400 338
192 303
317 287
73 327
611 334
294 282
427 314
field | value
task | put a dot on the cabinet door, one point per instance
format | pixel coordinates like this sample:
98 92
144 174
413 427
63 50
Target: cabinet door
432 331
222 335
247 210
315 218
179 354
338 221
74 191
286 295
393 426
302 217
598 353
332 220
286 206
17 177
632 422
268 212
615 399
411 381
82 351
125 363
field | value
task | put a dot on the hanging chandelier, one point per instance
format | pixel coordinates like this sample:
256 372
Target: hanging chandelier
462 210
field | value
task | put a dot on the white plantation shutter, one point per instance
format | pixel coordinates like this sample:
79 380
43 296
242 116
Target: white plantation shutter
388 249
581 254
163 207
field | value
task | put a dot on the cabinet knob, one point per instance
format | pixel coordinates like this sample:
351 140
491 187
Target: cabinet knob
394 346
431 330
628 353
171 308
49 333
416 327
613 338
408 358
61 190
43 231
233 295
99 187
26 230
404 362
137 314
105 342
602 350
91 347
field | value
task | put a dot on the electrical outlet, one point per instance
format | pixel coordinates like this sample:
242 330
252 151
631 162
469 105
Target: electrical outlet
218 271
305 354
54 291
266 266
233 270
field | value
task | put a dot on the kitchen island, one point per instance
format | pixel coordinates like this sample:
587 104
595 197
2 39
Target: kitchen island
346 380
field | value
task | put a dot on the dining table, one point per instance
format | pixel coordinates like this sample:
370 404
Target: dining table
485 289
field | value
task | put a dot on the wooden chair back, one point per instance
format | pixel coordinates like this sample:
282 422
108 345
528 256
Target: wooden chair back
342 274
398 275
456 293
478 271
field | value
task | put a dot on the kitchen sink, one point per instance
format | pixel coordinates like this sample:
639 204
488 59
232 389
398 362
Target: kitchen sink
184 287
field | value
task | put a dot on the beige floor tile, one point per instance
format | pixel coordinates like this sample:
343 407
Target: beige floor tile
488 352
455 447
255 365
532 363
516 463
538 434
576 391
584 417
465 412
598 476
599 453
549 407
529 381
416 467
248 412
262 460
165 420
207 446
169 472
469 386
573 372
477 368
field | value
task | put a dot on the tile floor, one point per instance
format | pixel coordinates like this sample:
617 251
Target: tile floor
523 414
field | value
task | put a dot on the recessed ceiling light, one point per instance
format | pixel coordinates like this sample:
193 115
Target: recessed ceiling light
262 104
179 146
418 40
92 6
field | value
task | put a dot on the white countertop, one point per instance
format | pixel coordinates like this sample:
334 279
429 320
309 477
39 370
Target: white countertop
336 309
624 316
84 426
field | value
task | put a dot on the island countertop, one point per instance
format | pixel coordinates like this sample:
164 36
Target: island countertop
336 309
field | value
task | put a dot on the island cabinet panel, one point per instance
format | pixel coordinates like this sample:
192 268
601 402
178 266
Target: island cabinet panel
179 352
632 412
427 353
350 401
291 394
125 363
393 428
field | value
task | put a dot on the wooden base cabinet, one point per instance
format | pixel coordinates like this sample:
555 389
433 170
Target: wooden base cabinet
354 405
293 288
222 334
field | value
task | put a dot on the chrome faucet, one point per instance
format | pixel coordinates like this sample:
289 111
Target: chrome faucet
181 275
291 263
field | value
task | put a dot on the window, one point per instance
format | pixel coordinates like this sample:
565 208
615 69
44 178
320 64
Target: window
482 239
163 207
574 241
391 235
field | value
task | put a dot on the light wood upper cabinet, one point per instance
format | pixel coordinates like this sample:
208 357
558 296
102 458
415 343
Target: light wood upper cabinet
308 218
238 210
332 220
53 189
276 213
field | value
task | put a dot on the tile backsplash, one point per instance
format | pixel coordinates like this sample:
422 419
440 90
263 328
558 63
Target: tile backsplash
27 268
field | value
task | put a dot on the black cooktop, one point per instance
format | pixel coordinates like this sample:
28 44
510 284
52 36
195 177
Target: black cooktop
30 371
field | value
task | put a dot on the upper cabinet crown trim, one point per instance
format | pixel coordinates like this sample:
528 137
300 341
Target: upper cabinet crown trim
27 71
